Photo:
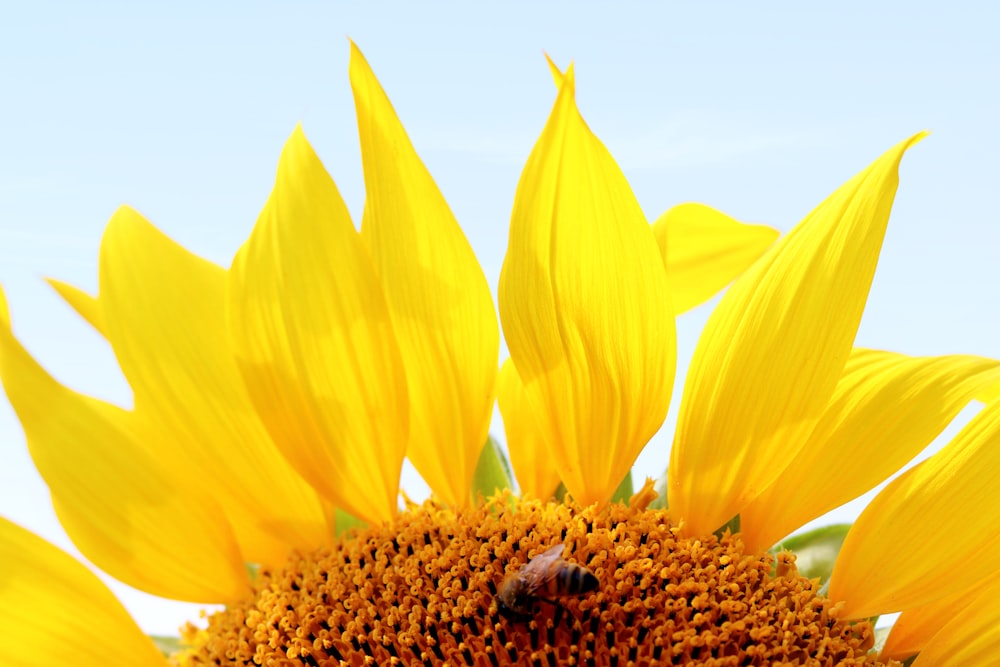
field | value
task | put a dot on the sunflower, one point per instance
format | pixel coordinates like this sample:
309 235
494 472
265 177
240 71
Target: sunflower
274 403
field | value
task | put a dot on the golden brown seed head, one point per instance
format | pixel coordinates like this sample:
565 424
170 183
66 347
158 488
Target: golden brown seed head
424 589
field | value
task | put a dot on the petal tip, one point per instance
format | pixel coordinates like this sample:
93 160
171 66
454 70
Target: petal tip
913 140
557 75
124 217
357 65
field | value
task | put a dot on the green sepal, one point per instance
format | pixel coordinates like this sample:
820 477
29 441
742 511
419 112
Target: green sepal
345 521
732 527
624 490
168 646
493 473
816 551
560 493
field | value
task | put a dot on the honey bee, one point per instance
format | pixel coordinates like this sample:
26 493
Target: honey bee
543 577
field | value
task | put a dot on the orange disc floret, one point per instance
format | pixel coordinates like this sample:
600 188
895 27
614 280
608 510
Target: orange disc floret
423 591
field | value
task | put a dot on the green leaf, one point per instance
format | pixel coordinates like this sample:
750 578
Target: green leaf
560 494
493 472
345 521
624 490
168 645
816 551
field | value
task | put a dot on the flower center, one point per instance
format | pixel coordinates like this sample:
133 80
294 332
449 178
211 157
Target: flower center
442 586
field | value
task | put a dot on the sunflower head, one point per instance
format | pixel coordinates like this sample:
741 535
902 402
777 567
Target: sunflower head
275 402
429 589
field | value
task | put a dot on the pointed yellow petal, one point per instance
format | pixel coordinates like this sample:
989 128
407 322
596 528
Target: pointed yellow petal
885 410
54 611
774 349
707 249
438 297
164 311
529 455
704 250
929 533
971 638
112 494
585 306
85 305
916 627
557 74
315 343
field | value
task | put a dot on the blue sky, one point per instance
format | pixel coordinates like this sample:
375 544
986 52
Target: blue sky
181 111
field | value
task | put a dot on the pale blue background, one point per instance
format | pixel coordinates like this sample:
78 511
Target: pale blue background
759 110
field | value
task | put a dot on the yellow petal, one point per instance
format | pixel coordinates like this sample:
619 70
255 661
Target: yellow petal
583 301
704 250
85 305
438 297
931 532
112 493
707 249
916 627
557 74
315 342
54 611
972 637
164 312
529 454
774 349
886 408
990 394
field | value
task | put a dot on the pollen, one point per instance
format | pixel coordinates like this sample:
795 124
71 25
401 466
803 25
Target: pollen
422 590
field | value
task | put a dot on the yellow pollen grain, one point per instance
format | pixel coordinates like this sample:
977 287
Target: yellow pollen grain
423 591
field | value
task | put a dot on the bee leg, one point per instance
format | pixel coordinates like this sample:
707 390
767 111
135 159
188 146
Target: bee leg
511 615
554 603
560 610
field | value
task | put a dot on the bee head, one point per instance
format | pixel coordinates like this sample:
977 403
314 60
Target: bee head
514 599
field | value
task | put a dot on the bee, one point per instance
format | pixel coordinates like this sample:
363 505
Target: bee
543 577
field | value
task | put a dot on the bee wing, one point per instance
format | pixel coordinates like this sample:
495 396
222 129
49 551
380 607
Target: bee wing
537 571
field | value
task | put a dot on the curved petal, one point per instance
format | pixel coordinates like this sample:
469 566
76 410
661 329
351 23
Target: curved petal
54 611
929 533
164 312
315 343
584 306
916 627
529 454
704 250
886 408
972 637
86 306
707 248
112 494
990 394
438 297
774 349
